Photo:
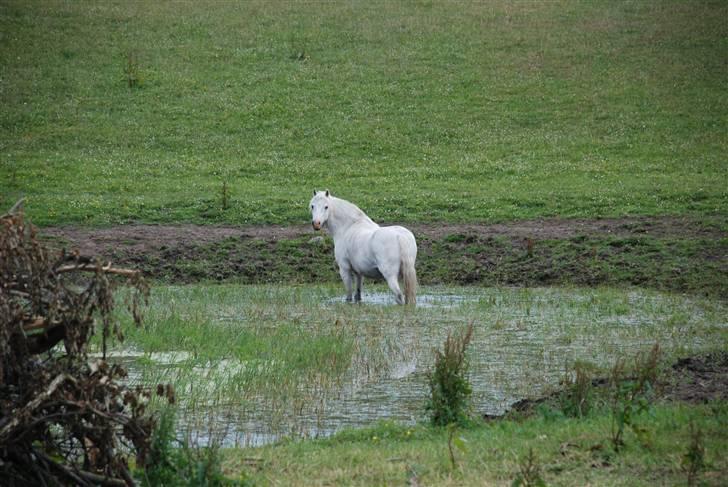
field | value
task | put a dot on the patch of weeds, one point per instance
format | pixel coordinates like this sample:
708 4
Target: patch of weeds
298 50
529 472
455 238
630 396
576 399
131 70
450 389
172 464
549 413
693 461
454 440
225 196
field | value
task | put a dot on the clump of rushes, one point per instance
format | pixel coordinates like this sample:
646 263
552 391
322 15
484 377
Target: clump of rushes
450 389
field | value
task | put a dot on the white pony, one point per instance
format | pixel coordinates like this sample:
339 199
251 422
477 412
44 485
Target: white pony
363 248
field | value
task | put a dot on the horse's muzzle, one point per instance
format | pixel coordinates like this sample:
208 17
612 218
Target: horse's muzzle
316 225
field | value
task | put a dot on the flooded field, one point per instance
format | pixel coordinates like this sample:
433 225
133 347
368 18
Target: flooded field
253 364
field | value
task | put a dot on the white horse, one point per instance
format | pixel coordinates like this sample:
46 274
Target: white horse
363 248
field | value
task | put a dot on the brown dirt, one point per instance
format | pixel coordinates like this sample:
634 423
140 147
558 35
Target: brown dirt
150 238
699 379
696 380
137 238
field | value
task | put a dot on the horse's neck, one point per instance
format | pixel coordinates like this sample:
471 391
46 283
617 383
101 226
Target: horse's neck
345 215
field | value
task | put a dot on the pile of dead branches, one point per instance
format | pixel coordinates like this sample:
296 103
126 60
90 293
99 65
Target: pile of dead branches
65 417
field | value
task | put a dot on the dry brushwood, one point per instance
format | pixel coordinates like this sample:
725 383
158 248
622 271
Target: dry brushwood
65 418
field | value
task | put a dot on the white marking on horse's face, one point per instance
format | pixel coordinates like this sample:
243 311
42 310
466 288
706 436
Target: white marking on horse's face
319 209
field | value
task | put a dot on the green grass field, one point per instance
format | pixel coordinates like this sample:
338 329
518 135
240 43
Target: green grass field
567 452
426 111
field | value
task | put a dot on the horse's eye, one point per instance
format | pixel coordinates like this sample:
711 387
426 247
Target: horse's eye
326 207
312 207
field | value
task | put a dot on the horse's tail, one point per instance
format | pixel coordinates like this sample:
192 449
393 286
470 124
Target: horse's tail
408 254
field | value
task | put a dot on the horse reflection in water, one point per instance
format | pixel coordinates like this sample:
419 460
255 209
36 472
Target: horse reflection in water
363 248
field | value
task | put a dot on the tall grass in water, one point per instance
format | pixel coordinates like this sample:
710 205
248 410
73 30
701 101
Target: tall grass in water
273 360
576 398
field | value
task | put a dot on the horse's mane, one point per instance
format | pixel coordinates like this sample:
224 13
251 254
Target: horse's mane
351 210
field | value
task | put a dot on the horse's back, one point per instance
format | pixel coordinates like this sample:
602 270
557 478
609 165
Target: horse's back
393 240
371 250
398 231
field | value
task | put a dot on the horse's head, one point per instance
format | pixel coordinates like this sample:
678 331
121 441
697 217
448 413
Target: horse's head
320 208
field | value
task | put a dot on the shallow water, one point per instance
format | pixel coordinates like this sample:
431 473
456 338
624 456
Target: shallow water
423 300
523 340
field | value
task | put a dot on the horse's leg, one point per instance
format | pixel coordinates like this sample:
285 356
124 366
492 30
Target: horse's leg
394 286
359 279
346 276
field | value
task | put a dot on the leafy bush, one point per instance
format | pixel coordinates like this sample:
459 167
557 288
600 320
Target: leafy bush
450 389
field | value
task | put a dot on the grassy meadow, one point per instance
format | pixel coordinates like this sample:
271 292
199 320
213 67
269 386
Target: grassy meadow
425 111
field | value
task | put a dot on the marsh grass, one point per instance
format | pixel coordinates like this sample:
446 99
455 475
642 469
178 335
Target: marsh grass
576 399
274 361
171 462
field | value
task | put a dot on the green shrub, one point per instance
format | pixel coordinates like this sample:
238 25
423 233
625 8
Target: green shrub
450 389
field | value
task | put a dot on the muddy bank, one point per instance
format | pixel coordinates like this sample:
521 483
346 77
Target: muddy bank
670 253
695 380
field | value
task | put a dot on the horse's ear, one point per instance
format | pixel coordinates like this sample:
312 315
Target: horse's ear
327 193
314 192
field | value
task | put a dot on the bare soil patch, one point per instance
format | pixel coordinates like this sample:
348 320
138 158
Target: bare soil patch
699 379
137 238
